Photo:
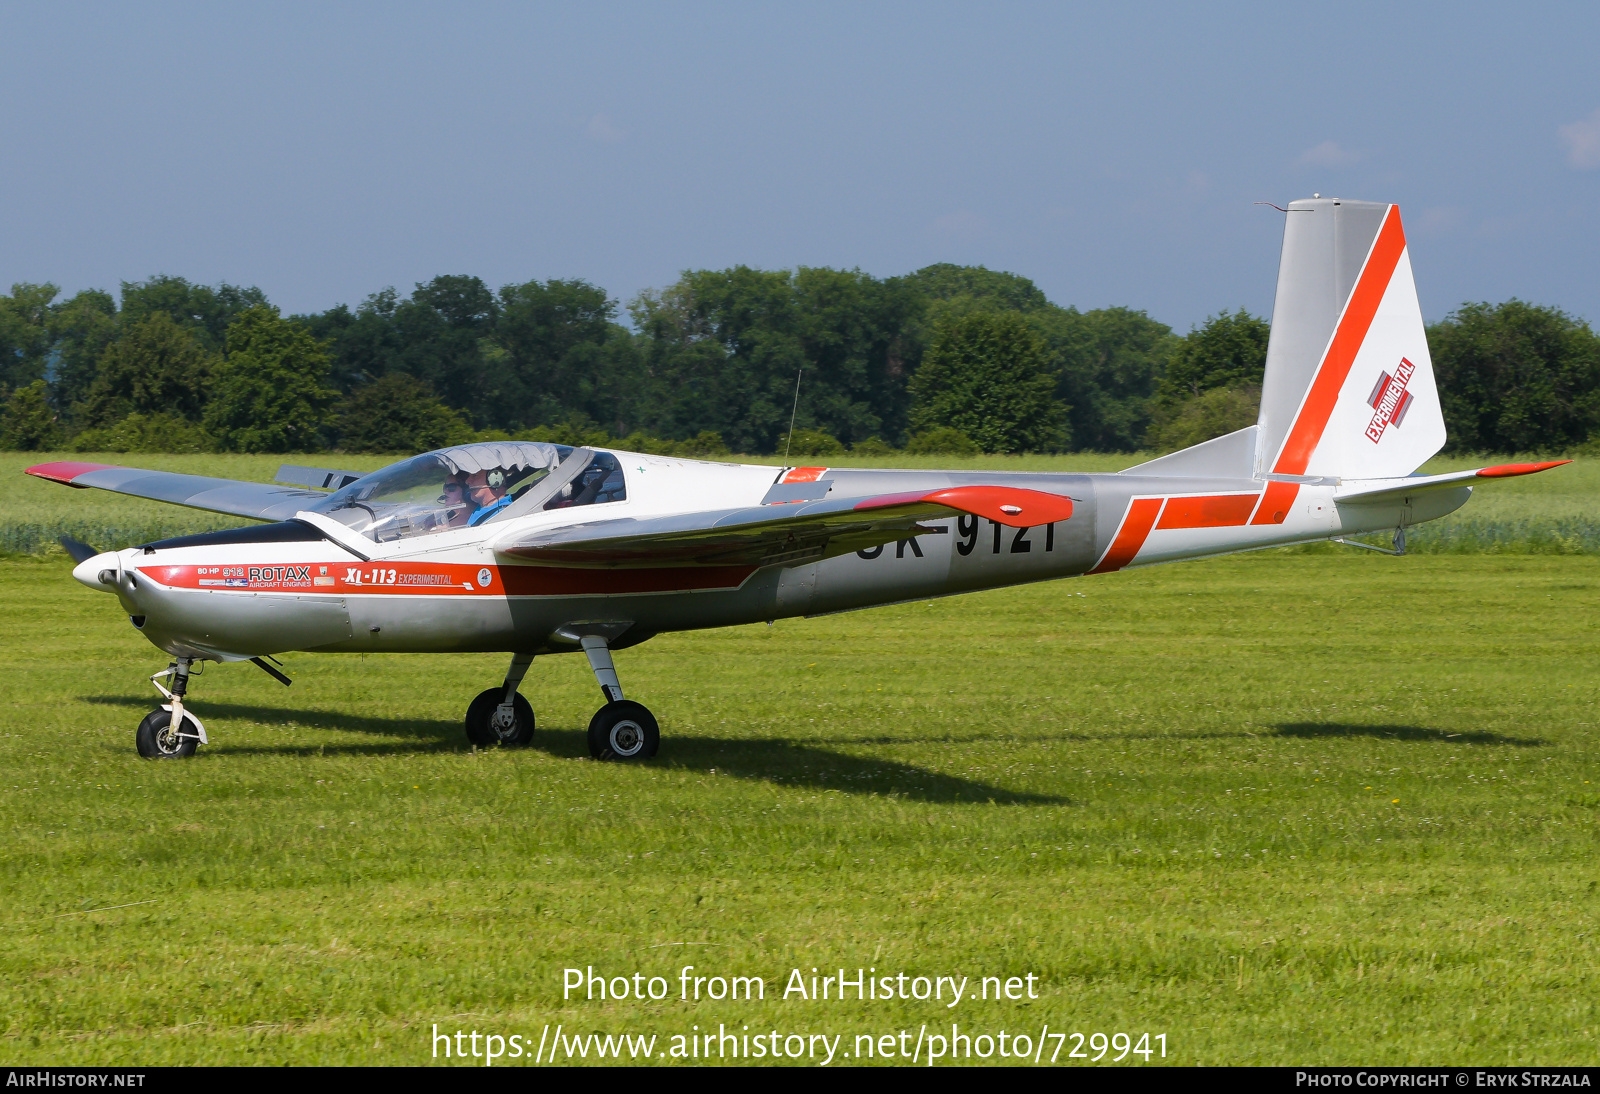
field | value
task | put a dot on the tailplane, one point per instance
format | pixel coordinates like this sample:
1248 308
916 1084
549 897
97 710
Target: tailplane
1349 388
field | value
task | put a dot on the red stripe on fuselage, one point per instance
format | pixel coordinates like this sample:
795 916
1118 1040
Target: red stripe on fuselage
1136 525
1323 394
1211 511
443 579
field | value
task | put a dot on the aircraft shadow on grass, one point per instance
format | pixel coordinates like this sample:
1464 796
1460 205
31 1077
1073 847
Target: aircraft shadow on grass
779 761
1403 733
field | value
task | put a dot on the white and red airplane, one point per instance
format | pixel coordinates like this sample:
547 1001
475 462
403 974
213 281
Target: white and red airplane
527 548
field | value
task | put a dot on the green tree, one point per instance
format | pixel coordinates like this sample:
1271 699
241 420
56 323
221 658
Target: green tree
270 392
942 441
872 446
1210 414
155 367
1229 349
80 330
1516 377
140 432
959 290
398 413
1111 362
989 375
363 344
440 334
809 442
204 310
24 334
27 421
442 329
555 358
722 349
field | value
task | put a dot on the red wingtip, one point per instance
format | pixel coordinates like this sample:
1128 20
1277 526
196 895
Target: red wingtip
1508 470
64 471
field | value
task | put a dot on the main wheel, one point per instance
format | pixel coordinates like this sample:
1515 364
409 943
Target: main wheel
489 724
156 740
623 730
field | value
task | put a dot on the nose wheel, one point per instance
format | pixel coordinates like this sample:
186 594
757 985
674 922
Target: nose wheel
156 739
171 733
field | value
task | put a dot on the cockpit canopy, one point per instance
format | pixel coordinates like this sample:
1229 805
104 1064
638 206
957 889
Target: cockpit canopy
473 484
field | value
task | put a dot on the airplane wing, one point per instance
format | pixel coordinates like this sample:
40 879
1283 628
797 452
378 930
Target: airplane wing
257 500
779 533
1389 491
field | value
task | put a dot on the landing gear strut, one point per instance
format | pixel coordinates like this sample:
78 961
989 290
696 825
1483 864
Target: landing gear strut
171 733
620 730
500 716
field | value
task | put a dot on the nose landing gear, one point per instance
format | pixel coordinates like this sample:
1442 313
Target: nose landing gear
171 733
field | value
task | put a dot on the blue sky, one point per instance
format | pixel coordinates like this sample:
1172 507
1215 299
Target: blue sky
1109 152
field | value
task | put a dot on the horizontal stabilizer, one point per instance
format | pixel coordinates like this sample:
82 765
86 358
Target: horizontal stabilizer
1391 491
1230 456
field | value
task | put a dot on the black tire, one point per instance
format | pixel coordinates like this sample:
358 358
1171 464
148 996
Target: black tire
485 726
623 730
155 743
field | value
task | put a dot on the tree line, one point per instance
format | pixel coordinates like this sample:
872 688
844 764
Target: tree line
946 359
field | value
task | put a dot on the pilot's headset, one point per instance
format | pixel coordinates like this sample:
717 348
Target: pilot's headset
495 479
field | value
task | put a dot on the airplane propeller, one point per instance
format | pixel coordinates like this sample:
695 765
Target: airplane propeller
77 549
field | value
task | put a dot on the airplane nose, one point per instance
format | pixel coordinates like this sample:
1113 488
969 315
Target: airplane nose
100 572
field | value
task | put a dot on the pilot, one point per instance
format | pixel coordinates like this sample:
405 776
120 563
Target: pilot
487 490
453 498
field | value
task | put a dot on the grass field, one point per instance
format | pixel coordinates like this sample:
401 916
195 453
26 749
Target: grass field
1286 808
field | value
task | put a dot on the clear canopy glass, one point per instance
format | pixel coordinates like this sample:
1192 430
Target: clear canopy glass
473 484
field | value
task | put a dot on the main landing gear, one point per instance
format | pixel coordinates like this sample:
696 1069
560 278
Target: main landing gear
500 716
171 733
620 730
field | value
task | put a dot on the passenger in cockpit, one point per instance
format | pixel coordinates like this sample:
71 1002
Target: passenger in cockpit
487 491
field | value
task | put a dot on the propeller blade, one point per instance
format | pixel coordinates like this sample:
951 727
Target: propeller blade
77 549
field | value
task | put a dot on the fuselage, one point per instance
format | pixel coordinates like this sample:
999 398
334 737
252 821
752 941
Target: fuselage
451 591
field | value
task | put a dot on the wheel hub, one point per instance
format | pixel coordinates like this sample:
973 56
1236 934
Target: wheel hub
626 738
504 720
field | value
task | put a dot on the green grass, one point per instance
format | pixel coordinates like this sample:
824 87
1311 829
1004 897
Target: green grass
1557 512
1284 809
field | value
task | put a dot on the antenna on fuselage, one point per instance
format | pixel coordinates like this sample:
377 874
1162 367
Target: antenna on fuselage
788 439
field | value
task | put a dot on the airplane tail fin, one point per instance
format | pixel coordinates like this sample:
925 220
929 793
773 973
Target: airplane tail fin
1349 387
